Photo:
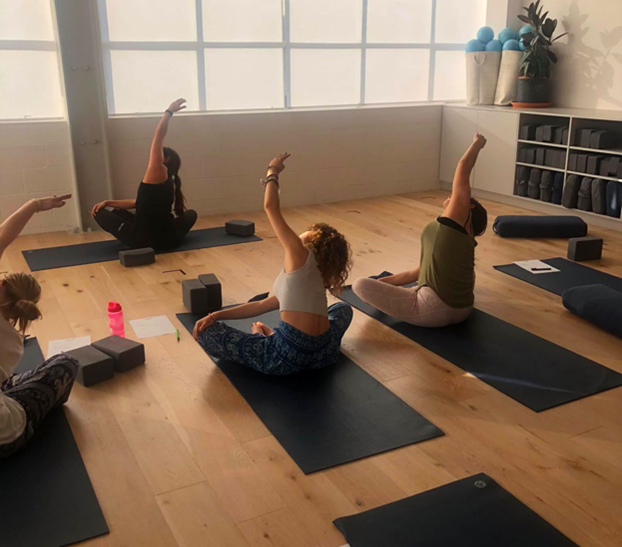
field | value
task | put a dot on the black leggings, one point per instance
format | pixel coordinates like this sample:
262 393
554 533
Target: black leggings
120 223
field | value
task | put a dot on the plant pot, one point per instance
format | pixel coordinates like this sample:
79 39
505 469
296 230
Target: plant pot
532 93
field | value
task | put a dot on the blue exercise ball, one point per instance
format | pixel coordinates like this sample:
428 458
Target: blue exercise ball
511 45
474 45
493 45
485 34
525 29
507 34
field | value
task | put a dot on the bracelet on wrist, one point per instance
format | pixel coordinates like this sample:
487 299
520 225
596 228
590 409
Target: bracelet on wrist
169 112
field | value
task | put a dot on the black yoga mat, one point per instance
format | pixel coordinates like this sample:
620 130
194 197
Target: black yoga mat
570 275
325 417
472 512
107 251
527 368
46 496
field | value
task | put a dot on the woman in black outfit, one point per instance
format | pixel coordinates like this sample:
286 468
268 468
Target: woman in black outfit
153 225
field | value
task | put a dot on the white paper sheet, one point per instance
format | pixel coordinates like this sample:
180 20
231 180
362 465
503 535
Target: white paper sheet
536 266
58 346
153 326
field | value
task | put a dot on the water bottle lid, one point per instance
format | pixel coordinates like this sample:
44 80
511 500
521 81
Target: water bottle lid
114 307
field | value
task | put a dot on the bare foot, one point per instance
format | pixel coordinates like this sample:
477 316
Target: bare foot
260 328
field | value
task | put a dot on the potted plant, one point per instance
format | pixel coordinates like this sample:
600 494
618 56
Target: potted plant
535 67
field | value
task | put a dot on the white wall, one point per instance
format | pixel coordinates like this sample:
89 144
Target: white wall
589 71
337 154
35 161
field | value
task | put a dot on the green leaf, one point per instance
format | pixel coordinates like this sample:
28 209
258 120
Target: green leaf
551 55
548 28
528 37
525 19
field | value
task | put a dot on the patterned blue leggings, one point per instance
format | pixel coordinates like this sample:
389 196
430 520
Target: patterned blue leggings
39 391
287 351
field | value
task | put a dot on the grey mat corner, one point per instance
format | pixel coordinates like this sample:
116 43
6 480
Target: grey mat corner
571 274
325 417
472 512
531 370
108 251
46 495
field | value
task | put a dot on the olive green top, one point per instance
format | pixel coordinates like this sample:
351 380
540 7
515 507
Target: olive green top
448 262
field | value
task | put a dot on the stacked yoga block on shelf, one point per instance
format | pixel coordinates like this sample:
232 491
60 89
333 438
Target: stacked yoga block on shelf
202 295
573 162
99 361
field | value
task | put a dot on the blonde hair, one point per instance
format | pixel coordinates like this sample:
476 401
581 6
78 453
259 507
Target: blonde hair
19 306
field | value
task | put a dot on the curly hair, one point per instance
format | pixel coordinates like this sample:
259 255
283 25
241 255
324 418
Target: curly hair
333 255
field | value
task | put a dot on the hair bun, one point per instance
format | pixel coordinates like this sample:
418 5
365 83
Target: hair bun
27 309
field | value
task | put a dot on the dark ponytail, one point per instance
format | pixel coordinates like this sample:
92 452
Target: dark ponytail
174 165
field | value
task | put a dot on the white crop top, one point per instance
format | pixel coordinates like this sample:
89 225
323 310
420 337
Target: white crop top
302 290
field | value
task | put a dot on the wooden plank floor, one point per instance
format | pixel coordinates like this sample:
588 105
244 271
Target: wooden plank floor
178 459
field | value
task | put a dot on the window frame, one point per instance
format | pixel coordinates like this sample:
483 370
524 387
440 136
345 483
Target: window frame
286 45
35 45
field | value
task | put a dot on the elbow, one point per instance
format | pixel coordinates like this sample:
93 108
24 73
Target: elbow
270 206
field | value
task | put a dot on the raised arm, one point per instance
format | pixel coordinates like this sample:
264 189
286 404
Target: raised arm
156 171
460 201
295 252
12 226
244 311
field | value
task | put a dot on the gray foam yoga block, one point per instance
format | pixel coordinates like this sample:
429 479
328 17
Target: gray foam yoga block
585 137
549 132
203 295
593 164
530 155
95 366
528 131
240 227
540 133
603 139
137 257
565 133
126 354
585 248
540 156
214 291
613 163
582 163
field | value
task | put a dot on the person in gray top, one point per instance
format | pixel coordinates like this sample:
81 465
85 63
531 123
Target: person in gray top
310 332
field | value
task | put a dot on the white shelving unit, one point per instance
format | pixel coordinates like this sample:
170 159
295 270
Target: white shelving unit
575 123
494 175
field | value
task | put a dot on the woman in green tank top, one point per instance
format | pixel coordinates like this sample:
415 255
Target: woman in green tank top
446 273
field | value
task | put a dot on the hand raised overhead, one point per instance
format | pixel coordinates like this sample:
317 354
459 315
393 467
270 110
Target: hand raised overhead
177 105
277 165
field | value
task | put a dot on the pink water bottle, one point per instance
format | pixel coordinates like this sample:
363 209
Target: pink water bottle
115 319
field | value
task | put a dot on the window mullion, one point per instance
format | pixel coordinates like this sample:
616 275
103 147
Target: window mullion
432 54
201 56
364 52
287 74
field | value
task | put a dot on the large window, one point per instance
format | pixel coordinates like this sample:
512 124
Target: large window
264 54
30 85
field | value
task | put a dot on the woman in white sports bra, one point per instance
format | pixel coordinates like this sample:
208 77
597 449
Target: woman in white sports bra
309 334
